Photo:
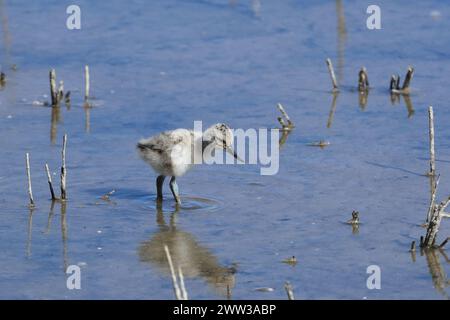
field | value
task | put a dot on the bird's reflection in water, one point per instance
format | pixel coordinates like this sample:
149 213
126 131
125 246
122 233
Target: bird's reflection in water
437 272
194 260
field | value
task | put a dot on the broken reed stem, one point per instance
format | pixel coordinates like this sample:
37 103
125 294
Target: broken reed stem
413 247
60 91
431 134
442 245
176 288
49 179
332 75
435 212
67 97
408 78
397 83
53 91
281 121
290 124
63 169
363 81
30 191
433 198
289 290
2 79
435 221
86 82
393 83
444 204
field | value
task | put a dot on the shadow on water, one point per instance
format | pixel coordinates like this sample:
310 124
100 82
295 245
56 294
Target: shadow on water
394 168
195 260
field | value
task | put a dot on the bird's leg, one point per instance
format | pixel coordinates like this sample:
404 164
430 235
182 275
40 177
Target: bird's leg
174 189
159 186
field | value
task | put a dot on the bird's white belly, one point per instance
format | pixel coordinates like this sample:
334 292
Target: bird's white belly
181 160
175 163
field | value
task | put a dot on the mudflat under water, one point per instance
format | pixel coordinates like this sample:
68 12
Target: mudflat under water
161 65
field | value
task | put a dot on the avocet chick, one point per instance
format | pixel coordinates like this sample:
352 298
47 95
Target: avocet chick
171 153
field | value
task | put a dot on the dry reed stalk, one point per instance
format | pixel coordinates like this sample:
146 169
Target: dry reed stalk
363 81
30 190
289 290
53 92
49 180
432 171
286 123
86 82
63 169
332 75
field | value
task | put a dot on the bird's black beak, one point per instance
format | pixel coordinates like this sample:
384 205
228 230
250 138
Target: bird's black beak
233 153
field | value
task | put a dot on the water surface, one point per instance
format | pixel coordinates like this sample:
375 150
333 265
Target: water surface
164 64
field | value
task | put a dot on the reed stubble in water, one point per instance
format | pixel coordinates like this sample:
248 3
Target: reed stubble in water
432 171
30 190
363 80
63 169
53 92
285 121
436 211
87 84
408 78
67 98
2 79
289 290
60 94
332 75
49 180
395 83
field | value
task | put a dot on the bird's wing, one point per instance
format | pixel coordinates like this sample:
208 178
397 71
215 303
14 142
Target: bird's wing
164 142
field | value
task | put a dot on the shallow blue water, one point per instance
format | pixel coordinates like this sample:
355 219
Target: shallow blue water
164 64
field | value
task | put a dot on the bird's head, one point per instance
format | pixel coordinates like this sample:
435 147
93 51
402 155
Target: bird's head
220 136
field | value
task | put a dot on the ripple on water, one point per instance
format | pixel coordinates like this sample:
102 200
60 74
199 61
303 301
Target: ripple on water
188 203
